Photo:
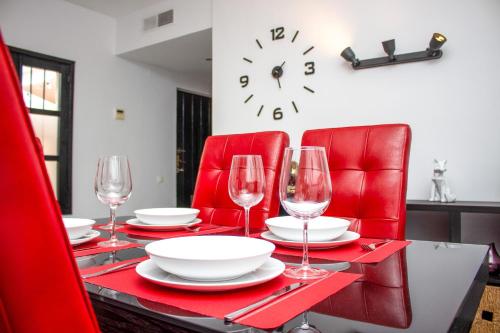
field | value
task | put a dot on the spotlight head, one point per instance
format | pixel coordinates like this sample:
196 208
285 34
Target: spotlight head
348 55
389 48
436 42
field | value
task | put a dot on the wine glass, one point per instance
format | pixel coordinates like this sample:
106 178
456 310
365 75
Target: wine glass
246 183
113 186
305 193
304 327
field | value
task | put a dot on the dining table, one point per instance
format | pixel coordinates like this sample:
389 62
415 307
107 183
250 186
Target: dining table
427 286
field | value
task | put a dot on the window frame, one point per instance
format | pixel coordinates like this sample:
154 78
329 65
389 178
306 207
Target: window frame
65 135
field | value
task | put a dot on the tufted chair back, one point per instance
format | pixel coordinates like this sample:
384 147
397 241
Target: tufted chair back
369 170
211 195
40 286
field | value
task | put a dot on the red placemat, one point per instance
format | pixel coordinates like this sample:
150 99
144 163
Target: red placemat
218 304
91 247
205 229
351 252
94 269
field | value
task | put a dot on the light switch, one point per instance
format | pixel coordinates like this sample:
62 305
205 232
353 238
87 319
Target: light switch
120 114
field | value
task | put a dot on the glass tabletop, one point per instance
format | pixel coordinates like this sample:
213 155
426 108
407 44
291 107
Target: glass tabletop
427 287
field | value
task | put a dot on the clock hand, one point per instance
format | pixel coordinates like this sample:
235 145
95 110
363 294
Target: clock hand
279 84
282 64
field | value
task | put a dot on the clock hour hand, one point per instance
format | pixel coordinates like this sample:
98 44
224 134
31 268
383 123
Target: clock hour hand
277 72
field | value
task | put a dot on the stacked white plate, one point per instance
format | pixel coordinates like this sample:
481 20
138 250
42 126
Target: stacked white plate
164 219
210 263
79 230
324 232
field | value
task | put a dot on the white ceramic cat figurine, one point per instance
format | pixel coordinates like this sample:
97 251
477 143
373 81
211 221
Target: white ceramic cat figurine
440 191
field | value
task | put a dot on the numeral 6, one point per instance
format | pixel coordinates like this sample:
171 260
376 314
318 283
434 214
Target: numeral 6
277 114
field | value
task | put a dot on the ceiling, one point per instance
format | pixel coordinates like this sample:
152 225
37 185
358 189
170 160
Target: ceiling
185 54
115 8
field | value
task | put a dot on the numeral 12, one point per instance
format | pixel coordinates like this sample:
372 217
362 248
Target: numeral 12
278 33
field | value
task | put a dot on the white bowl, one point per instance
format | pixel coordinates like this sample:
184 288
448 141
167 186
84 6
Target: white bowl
77 228
210 258
320 229
166 216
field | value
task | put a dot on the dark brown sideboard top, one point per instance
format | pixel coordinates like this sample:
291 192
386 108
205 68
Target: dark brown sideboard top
492 207
454 210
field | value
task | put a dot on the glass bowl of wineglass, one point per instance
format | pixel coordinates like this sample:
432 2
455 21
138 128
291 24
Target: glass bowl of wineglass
246 183
305 192
113 187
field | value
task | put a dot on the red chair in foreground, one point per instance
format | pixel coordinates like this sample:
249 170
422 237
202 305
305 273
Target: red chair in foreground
369 170
211 195
40 286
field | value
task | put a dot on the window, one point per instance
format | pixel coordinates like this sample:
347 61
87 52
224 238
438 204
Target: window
47 85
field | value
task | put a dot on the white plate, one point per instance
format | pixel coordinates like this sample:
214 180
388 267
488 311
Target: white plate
346 238
76 227
138 224
268 271
210 258
321 229
164 216
92 234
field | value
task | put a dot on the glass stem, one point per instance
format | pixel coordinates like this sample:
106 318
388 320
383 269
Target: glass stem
247 221
112 213
305 256
305 321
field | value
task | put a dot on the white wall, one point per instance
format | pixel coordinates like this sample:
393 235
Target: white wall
189 17
451 104
102 83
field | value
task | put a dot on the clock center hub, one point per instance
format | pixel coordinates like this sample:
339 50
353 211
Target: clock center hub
277 72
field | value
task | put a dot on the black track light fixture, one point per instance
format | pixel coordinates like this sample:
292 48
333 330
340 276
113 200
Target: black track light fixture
435 44
348 55
389 48
432 52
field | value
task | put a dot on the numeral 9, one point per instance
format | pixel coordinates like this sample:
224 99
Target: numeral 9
277 114
244 81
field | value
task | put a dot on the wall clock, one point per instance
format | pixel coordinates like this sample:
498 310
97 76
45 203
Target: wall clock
274 56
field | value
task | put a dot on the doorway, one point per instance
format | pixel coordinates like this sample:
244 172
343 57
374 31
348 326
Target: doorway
194 125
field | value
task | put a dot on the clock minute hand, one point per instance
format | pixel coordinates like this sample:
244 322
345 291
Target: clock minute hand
281 68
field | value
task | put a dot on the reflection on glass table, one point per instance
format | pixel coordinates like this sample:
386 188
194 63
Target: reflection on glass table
380 297
433 287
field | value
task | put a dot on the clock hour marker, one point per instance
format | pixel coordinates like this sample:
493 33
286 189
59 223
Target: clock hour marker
307 51
305 87
250 97
295 36
247 60
295 107
260 110
258 43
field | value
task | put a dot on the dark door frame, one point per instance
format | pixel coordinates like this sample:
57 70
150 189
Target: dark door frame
193 125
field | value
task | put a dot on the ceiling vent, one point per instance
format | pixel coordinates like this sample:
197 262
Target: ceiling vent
159 20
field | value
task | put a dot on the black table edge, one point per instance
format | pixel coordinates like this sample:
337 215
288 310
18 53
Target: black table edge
470 304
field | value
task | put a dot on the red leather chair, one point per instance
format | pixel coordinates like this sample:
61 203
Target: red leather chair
211 195
40 286
380 297
369 170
